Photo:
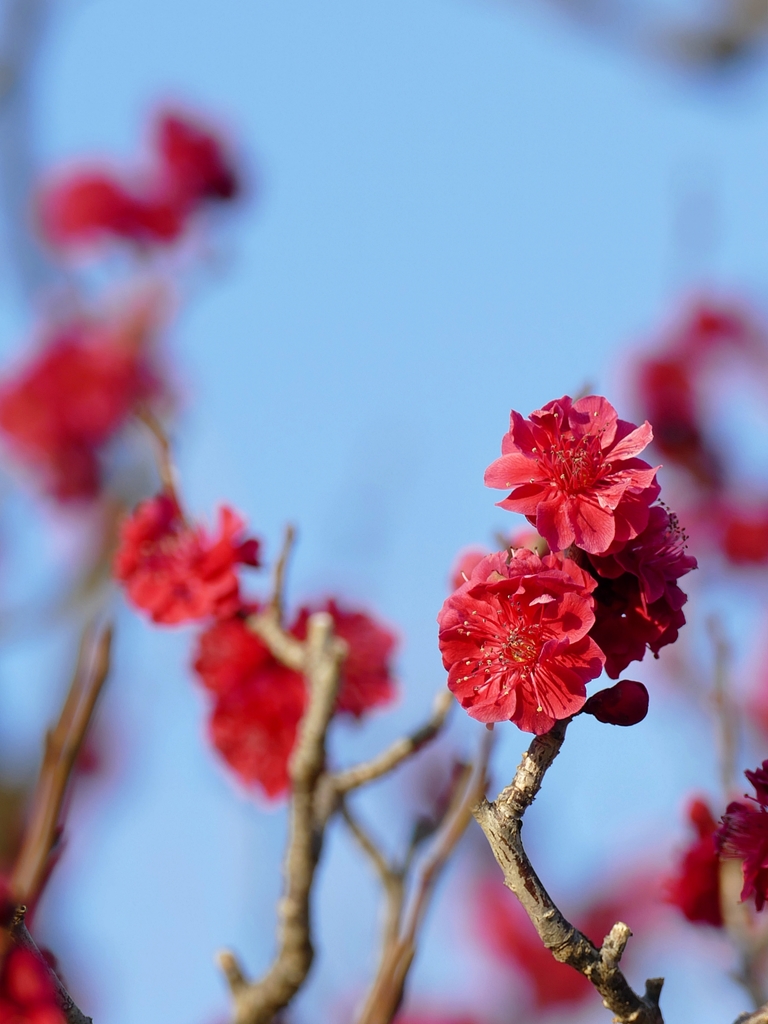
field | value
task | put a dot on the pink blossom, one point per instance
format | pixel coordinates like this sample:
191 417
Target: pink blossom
573 473
514 639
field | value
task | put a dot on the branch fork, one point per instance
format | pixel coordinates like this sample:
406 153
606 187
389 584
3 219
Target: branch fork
502 823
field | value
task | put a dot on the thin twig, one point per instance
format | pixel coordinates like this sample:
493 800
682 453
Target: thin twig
386 992
62 745
163 453
383 868
726 717
399 751
276 602
21 937
321 658
392 878
502 823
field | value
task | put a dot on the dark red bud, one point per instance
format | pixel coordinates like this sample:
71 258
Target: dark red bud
626 703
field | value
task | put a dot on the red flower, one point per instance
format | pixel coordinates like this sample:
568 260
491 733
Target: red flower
625 704
574 474
638 602
514 639
695 888
626 625
367 673
745 535
253 725
175 571
259 703
27 992
667 391
87 206
743 834
464 564
228 654
196 165
61 408
656 557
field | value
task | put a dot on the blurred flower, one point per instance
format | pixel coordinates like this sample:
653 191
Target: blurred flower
626 704
743 834
61 408
27 992
507 932
575 476
89 205
667 392
259 702
175 571
464 564
744 534
366 680
513 638
254 725
695 887
258 706
196 166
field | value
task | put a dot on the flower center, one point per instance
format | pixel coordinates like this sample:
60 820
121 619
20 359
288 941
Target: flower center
575 464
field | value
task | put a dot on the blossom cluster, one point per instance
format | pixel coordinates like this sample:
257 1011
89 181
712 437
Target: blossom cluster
695 887
190 169
61 408
526 631
177 572
673 385
743 834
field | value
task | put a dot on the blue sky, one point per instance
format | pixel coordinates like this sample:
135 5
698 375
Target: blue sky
458 207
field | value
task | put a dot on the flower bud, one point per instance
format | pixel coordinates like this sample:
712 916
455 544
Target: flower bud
626 703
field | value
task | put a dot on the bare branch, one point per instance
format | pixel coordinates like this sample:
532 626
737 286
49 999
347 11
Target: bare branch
384 870
321 658
502 823
758 1017
285 647
726 715
62 745
401 750
165 467
278 579
21 937
386 993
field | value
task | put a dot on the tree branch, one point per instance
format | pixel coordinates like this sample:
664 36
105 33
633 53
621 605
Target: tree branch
62 745
401 750
278 580
320 658
21 937
403 924
502 823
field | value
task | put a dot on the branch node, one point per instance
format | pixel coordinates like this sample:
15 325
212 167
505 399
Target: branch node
232 971
614 944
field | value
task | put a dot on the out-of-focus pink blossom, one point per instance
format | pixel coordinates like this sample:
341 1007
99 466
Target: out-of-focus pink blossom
743 834
177 572
695 887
